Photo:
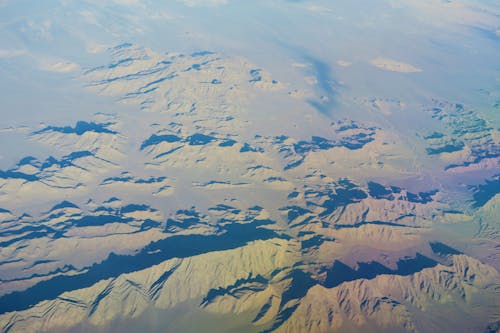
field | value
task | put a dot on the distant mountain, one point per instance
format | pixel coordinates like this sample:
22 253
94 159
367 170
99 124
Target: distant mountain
223 193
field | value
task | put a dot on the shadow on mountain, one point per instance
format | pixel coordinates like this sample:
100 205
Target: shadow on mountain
29 232
443 249
263 310
340 272
234 236
484 192
254 284
379 191
300 284
80 128
156 139
346 193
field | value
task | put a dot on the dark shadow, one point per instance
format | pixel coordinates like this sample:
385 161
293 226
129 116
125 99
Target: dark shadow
443 249
484 192
340 272
233 236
